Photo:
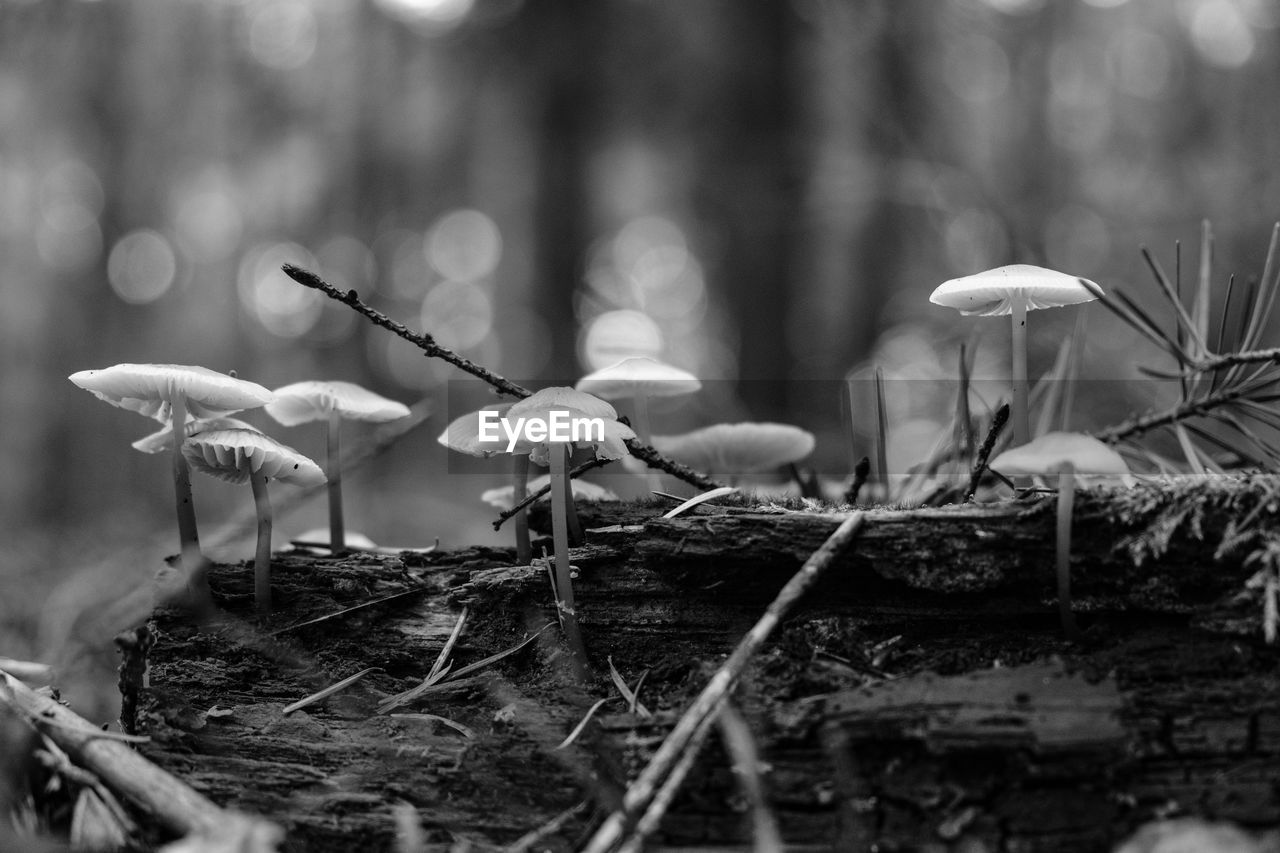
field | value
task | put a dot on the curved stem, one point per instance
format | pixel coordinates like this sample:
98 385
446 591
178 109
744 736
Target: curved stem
262 558
1066 506
188 535
560 539
337 531
519 488
1021 416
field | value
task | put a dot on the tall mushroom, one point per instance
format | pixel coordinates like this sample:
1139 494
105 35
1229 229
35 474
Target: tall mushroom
534 419
171 392
237 455
1015 290
1064 456
331 402
735 449
637 379
463 435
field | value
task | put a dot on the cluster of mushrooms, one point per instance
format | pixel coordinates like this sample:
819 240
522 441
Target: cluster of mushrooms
200 403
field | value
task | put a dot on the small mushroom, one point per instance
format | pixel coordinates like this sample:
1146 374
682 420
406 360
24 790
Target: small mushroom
545 407
332 402
503 497
732 450
169 392
1064 456
162 439
637 379
237 455
1015 290
463 435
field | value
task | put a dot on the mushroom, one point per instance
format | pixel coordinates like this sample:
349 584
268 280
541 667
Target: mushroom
637 379
535 419
169 392
463 435
237 455
503 497
162 439
735 449
1064 456
1015 290
303 402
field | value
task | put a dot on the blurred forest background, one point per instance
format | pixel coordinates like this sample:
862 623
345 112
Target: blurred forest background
760 191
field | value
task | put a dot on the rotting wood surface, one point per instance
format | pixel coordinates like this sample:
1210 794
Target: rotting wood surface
927 603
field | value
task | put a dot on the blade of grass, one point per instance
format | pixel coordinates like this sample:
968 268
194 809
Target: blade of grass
745 757
1183 320
882 435
582 724
458 727
1188 450
702 498
626 691
443 657
321 695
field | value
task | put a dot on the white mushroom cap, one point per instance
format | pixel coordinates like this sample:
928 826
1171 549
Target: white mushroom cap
987 293
639 375
235 454
575 404
149 389
500 498
162 439
302 402
1047 455
463 434
740 448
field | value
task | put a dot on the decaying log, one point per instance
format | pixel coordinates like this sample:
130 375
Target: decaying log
859 738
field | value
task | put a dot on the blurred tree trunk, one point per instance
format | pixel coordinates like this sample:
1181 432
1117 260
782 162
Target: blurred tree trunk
565 37
748 187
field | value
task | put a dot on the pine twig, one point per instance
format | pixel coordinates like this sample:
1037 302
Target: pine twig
984 452
424 342
1141 424
428 345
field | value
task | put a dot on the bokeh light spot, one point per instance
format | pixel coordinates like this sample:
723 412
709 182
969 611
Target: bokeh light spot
615 335
141 267
464 245
283 307
432 15
1220 33
458 314
282 33
976 69
208 224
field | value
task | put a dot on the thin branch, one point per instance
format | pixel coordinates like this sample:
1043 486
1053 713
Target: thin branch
428 345
642 791
1145 423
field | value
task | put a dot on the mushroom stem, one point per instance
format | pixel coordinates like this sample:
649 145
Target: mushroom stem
337 530
1021 416
262 558
640 408
1066 506
520 487
188 536
560 501
576 536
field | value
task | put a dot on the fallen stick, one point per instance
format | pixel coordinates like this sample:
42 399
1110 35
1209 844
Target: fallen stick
641 792
177 806
502 385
